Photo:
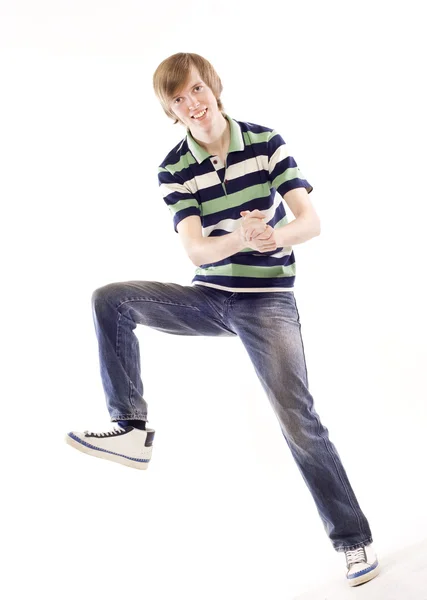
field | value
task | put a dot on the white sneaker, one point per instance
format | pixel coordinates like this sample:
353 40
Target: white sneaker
128 446
362 565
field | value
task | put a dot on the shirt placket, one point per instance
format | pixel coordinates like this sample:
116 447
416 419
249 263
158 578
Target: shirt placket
221 170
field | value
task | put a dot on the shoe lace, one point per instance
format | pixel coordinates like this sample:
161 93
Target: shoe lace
355 556
115 431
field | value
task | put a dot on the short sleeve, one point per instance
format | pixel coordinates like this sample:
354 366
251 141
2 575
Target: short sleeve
284 173
179 199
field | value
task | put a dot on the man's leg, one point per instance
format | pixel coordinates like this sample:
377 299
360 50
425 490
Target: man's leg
268 325
117 309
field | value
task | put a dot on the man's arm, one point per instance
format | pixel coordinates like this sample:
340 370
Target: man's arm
306 224
206 250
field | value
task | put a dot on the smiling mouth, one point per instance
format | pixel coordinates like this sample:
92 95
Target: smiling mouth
203 113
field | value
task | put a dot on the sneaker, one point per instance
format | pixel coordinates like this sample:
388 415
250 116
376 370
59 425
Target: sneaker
128 446
362 565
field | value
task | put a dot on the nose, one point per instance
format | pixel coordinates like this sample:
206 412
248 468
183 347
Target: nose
193 104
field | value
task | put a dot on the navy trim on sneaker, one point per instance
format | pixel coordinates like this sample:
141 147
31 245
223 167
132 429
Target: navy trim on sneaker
77 439
359 573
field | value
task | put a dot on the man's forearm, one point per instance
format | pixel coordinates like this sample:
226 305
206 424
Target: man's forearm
303 228
213 249
210 250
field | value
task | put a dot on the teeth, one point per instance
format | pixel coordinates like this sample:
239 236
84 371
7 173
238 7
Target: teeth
200 114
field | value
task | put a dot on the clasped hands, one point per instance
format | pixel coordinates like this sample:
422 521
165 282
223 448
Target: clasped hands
256 233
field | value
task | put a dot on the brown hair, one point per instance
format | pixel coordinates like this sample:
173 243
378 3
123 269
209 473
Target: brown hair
173 72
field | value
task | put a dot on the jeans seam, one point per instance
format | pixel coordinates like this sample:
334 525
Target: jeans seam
156 301
130 395
339 475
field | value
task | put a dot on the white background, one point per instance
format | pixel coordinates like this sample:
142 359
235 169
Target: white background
222 511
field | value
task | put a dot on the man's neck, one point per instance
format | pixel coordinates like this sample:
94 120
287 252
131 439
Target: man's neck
216 141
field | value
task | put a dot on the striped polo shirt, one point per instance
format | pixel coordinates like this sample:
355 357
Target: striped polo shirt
258 172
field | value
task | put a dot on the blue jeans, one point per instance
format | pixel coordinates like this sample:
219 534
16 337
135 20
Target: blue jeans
269 327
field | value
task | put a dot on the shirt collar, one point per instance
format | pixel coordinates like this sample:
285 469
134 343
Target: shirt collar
236 141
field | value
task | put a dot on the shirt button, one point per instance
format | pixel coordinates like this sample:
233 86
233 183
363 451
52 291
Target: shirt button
215 162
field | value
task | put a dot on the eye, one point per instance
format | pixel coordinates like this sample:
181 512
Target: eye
179 98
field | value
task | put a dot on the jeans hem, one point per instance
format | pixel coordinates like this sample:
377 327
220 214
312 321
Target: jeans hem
365 542
129 417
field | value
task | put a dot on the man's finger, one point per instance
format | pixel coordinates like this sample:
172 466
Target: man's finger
260 228
255 232
254 213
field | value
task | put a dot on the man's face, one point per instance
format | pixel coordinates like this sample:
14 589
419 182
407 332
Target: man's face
193 98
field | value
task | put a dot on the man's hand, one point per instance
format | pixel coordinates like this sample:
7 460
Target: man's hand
256 233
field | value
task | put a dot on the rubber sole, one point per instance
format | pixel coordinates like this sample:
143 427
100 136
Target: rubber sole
127 461
365 577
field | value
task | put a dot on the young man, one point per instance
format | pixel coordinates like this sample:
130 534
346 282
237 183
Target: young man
224 185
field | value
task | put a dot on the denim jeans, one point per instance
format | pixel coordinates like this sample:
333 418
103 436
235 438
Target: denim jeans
269 327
